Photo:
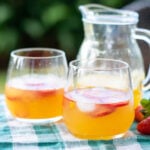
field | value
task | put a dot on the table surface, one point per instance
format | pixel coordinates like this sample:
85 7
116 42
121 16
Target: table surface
15 135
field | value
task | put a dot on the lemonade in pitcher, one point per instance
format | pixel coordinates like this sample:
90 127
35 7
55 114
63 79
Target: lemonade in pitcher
137 78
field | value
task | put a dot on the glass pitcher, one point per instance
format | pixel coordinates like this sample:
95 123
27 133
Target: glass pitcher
112 33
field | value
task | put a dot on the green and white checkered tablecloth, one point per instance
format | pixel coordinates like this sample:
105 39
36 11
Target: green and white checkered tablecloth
15 135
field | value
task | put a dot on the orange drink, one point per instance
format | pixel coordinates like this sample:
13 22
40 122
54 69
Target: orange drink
39 98
97 113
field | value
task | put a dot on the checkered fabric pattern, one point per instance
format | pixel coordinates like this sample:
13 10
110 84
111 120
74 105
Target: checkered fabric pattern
16 135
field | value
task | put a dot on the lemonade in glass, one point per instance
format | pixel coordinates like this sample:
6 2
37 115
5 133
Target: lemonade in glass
35 84
98 100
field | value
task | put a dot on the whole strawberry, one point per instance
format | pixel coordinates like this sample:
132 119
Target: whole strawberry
144 126
139 116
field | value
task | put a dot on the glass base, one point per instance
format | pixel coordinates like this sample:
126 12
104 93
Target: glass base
96 137
40 121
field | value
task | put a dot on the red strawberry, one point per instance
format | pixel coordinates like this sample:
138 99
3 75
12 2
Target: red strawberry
144 126
102 110
138 113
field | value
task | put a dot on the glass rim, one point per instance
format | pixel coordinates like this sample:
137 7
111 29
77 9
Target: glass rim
60 53
72 64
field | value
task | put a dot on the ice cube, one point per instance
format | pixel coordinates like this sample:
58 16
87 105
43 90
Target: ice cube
85 107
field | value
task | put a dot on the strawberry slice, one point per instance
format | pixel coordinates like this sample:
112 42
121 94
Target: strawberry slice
13 98
95 110
46 92
120 104
105 109
102 110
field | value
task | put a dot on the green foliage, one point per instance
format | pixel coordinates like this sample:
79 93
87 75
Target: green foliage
8 38
115 3
44 23
5 13
33 28
146 105
55 14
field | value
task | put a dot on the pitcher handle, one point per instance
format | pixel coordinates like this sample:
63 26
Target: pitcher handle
142 34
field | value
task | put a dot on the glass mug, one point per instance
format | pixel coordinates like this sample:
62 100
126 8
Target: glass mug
98 99
112 33
35 84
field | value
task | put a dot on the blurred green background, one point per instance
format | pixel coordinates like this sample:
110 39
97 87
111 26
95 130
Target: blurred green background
42 23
